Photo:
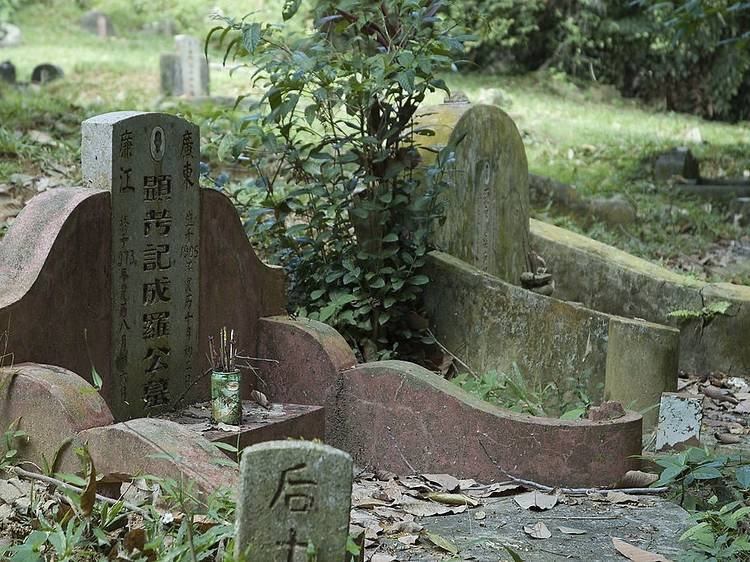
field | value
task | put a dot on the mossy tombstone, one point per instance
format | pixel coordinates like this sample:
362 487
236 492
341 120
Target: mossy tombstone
487 211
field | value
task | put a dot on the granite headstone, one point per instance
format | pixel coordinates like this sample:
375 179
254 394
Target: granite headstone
149 162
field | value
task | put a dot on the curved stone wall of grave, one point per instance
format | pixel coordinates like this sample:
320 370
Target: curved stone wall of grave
491 324
52 405
614 281
55 282
400 417
487 204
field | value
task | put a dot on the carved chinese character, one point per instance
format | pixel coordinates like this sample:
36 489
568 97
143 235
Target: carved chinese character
156 256
187 144
159 220
157 188
293 548
295 490
156 359
156 291
126 144
156 392
125 174
187 174
155 325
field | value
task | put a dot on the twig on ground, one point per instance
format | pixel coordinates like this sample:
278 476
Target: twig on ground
21 473
455 357
571 491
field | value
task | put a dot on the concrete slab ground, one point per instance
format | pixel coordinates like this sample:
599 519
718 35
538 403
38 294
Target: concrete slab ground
655 528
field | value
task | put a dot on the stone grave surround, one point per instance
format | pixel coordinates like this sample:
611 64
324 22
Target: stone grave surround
599 276
477 309
613 281
90 276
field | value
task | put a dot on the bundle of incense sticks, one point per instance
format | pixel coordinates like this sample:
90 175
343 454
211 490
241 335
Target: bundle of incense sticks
225 359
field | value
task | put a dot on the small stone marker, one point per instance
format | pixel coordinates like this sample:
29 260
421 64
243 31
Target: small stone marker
293 496
677 162
680 420
44 73
10 35
149 161
8 72
170 72
193 66
98 24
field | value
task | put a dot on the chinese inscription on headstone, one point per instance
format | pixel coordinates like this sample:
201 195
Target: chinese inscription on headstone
294 499
149 161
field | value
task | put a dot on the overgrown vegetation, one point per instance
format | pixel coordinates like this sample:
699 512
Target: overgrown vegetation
568 400
715 489
631 45
339 195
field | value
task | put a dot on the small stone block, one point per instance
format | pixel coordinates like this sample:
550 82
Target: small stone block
679 421
294 496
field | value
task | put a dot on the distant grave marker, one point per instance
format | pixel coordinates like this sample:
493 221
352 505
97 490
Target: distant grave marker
294 497
193 66
8 72
98 24
149 162
44 73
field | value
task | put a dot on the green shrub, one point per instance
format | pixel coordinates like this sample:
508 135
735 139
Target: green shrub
340 196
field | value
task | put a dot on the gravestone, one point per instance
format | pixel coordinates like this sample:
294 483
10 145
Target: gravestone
677 162
10 35
44 73
98 24
193 66
170 73
487 211
149 162
8 72
293 496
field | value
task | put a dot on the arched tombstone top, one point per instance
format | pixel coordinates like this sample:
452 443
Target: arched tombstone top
44 73
149 162
487 213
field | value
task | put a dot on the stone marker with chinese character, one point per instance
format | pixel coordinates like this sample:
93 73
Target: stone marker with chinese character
193 66
149 162
294 498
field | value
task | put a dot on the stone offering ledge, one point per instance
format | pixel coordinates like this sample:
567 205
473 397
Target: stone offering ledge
610 280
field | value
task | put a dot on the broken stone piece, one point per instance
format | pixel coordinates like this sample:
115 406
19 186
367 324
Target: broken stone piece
609 410
676 162
679 421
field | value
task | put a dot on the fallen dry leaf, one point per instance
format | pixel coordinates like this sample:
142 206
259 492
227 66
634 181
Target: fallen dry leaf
718 394
260 399
445 481
636 554
494 490
408 539
537 531
382 557
728 438
467 483
452 499
637 479
571 531
441 542
537 501
429 509
620 497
